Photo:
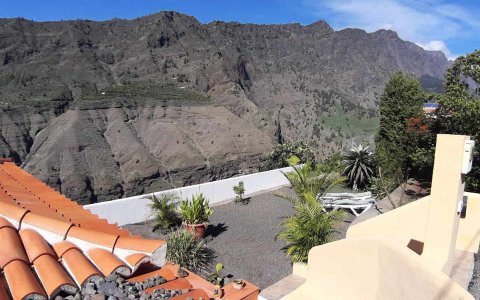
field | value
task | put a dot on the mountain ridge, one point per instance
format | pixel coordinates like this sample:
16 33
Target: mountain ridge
106 109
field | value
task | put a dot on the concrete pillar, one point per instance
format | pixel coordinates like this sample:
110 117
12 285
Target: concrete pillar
447 190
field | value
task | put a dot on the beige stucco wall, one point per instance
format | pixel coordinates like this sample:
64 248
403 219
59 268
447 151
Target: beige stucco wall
409 222
373 267
468 238
403 224
375 262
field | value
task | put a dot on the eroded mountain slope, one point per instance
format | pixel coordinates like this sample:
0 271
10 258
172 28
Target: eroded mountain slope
107 109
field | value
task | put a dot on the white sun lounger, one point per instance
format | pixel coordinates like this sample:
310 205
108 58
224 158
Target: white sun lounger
354 202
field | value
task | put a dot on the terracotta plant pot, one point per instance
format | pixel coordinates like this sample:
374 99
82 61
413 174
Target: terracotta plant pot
197 229
238 284
218 292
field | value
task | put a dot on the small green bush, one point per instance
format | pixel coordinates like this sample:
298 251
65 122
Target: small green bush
240 193
188 252
164 207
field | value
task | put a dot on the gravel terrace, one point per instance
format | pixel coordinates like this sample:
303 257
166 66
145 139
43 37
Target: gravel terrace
243 238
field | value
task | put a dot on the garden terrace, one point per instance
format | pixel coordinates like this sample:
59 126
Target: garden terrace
243 237
53 247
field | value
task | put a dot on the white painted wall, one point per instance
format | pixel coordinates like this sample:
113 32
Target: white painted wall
135 209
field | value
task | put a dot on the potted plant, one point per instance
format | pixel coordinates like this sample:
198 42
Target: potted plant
238 284
195 214
216 278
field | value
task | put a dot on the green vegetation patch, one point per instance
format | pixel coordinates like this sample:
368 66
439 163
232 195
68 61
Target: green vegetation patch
349 123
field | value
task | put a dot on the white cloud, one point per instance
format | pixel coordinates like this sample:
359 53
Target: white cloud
437 45
427 23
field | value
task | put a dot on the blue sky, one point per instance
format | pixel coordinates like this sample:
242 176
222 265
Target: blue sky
450 26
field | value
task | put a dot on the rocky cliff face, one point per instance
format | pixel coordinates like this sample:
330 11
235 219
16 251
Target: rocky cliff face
102 110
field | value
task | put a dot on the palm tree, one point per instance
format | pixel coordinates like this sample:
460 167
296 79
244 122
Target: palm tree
316 179
359 165
164 207
310 226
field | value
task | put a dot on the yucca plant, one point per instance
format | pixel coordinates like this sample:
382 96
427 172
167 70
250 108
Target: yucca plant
164 208
197 210
310 226
188 252
359 165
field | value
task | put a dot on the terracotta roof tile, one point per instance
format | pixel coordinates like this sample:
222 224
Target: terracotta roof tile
79 267
12 248
163 272
35 245
4 197
52 225
134 260
108 263
62 246
53 277
146 246
32 194
87 239
3 288
12 213
176 284
52 230
22 282
4 223
196 294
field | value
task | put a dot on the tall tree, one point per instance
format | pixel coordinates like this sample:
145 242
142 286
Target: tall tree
401 101
460 107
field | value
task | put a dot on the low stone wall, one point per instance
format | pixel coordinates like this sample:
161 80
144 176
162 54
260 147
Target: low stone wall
135 209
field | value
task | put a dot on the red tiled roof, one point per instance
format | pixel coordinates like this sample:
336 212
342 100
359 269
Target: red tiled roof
51 245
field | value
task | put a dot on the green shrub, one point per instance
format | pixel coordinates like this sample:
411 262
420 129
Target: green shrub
240 193
278 158
164 207
197 210
188 252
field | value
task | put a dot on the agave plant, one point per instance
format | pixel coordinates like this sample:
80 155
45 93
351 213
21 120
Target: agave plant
164 208
187 251
359 165
310 226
